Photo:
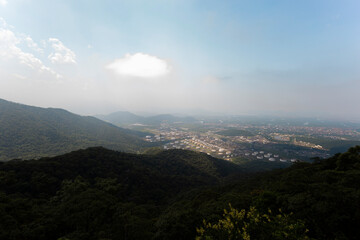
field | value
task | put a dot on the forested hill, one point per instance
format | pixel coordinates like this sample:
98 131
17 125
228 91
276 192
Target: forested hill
324 195
29 132
166 172
98 193
102 194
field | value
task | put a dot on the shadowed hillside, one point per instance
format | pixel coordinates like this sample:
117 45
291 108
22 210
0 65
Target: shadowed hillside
30 132
102 194
94 193
324 195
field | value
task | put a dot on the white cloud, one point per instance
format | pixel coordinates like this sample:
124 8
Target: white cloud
9 50
3 23
3 2
62 54
8 43
32 45
140 65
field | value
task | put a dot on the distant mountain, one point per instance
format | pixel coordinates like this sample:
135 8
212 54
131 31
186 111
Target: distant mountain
31 132
169 118
123 118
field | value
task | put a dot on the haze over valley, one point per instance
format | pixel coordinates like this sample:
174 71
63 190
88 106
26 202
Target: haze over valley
236 58
179 119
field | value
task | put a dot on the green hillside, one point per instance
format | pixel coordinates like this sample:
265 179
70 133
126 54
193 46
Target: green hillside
102 194
29 132
324 195
98 193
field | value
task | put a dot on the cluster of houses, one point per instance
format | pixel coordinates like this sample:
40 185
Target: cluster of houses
269 156
210 143
201 145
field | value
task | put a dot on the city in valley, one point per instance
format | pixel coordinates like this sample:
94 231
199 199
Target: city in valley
271 141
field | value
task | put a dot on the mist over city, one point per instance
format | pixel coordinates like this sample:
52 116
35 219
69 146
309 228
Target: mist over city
179 119
233 57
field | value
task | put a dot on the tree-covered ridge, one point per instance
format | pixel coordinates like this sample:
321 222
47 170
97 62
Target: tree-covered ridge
30 132
102 194
170 170
324 195
98 193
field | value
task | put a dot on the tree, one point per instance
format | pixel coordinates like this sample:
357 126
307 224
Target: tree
252 224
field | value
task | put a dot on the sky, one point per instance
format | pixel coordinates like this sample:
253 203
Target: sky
298 58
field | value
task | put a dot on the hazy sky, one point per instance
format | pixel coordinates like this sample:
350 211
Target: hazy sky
234 57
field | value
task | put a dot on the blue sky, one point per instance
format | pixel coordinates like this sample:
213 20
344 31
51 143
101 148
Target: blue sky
235 57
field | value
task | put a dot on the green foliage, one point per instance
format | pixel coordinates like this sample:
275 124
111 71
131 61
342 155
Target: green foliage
325 195
97 193
252 224
251 165
31 132
101 194
152 151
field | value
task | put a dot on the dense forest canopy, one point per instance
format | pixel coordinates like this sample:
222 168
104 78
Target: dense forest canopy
102 194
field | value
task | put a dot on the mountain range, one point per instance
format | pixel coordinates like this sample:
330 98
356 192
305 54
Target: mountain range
31 132
124 118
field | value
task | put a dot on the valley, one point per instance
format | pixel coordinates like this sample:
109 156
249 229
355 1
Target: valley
281 141
179 120
161 178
